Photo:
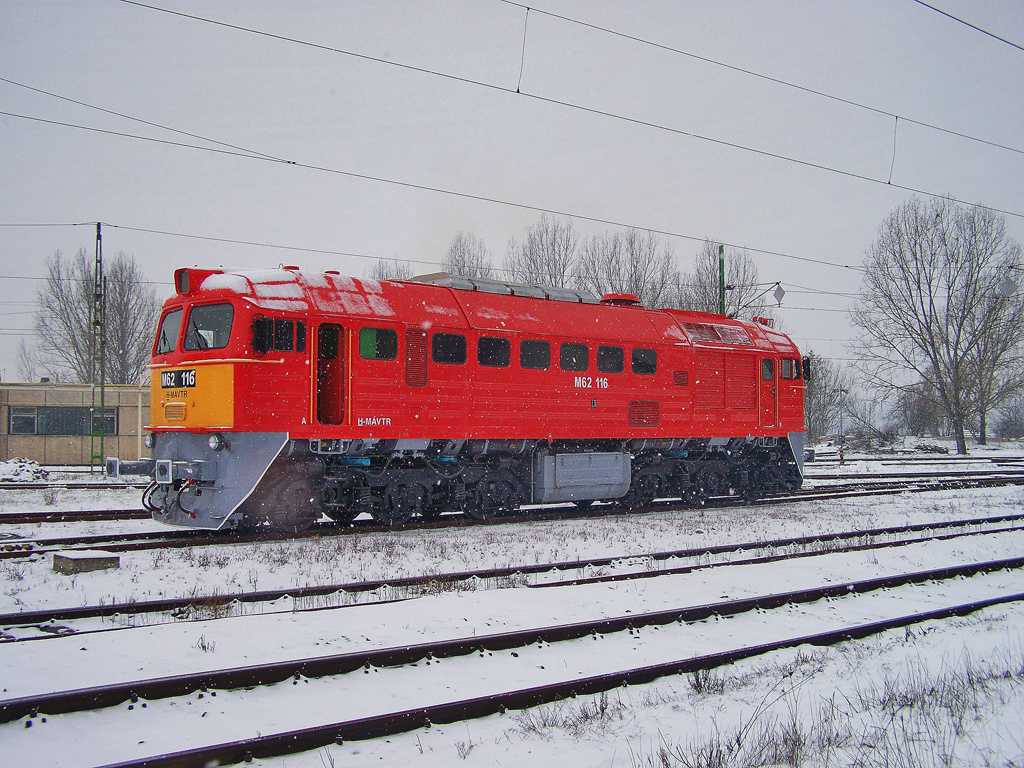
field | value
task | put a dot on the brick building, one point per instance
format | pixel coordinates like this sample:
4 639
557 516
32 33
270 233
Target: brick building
51 423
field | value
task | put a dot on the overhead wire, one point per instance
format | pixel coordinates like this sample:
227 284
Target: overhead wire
569 105
439 190
968 24
762 76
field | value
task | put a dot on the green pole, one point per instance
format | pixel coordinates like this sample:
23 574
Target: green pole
721 279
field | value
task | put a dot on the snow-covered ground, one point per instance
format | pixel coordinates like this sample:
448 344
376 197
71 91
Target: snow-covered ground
912 697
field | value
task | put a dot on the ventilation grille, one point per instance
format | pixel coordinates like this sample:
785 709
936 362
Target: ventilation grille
174 412
643 413
415 357
681 378
716 333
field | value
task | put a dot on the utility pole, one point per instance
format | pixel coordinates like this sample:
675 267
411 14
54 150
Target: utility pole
97 346
721 279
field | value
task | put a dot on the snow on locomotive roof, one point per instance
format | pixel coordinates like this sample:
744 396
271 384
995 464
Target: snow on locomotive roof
483 304
508 289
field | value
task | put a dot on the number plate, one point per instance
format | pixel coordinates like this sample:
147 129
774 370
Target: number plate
178 379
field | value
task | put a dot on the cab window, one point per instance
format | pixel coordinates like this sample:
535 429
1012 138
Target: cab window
768 369
167 336
209 327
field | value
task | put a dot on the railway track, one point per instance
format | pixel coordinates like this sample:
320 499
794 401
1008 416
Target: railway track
458 678
39 625
14 548
856 480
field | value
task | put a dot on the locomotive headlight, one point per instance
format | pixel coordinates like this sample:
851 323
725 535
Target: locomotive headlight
215 441
149 440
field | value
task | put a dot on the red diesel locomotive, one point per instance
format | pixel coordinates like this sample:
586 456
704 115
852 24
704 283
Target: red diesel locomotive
278 396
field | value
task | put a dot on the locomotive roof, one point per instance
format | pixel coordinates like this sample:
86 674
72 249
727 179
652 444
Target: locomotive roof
454 302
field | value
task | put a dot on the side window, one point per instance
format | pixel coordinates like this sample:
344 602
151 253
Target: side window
284 335
280 335
378 343
645 361
768 369
209 326
494 352
535 354
167 336
790 368
610 360
573 357
448 348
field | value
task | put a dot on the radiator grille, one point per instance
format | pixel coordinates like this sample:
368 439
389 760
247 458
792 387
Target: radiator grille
415 357
643 413
174 412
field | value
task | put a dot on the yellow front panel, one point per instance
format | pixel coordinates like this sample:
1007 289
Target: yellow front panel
195 395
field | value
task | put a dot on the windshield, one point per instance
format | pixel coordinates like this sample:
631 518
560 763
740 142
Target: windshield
167 336
209 327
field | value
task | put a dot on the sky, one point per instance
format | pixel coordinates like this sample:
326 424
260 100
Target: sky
330 134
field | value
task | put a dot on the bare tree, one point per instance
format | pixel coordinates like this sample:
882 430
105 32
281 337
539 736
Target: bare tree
468 256
996 361
546 256
917 411
699 290
824 396
1011 422
390 269
63 321
631 261
132 310
926 299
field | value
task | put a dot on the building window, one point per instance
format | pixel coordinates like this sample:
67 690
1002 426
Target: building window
494 352
645 361
378 343
61 420
535 354
23 420
573 357
448 348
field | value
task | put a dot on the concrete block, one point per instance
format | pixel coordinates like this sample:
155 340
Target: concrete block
84 560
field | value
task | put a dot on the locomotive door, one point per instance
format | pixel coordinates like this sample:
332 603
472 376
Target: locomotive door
768 398
330 374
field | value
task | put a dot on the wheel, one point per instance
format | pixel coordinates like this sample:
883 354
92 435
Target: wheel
287 500
494 495
642 492
400 503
